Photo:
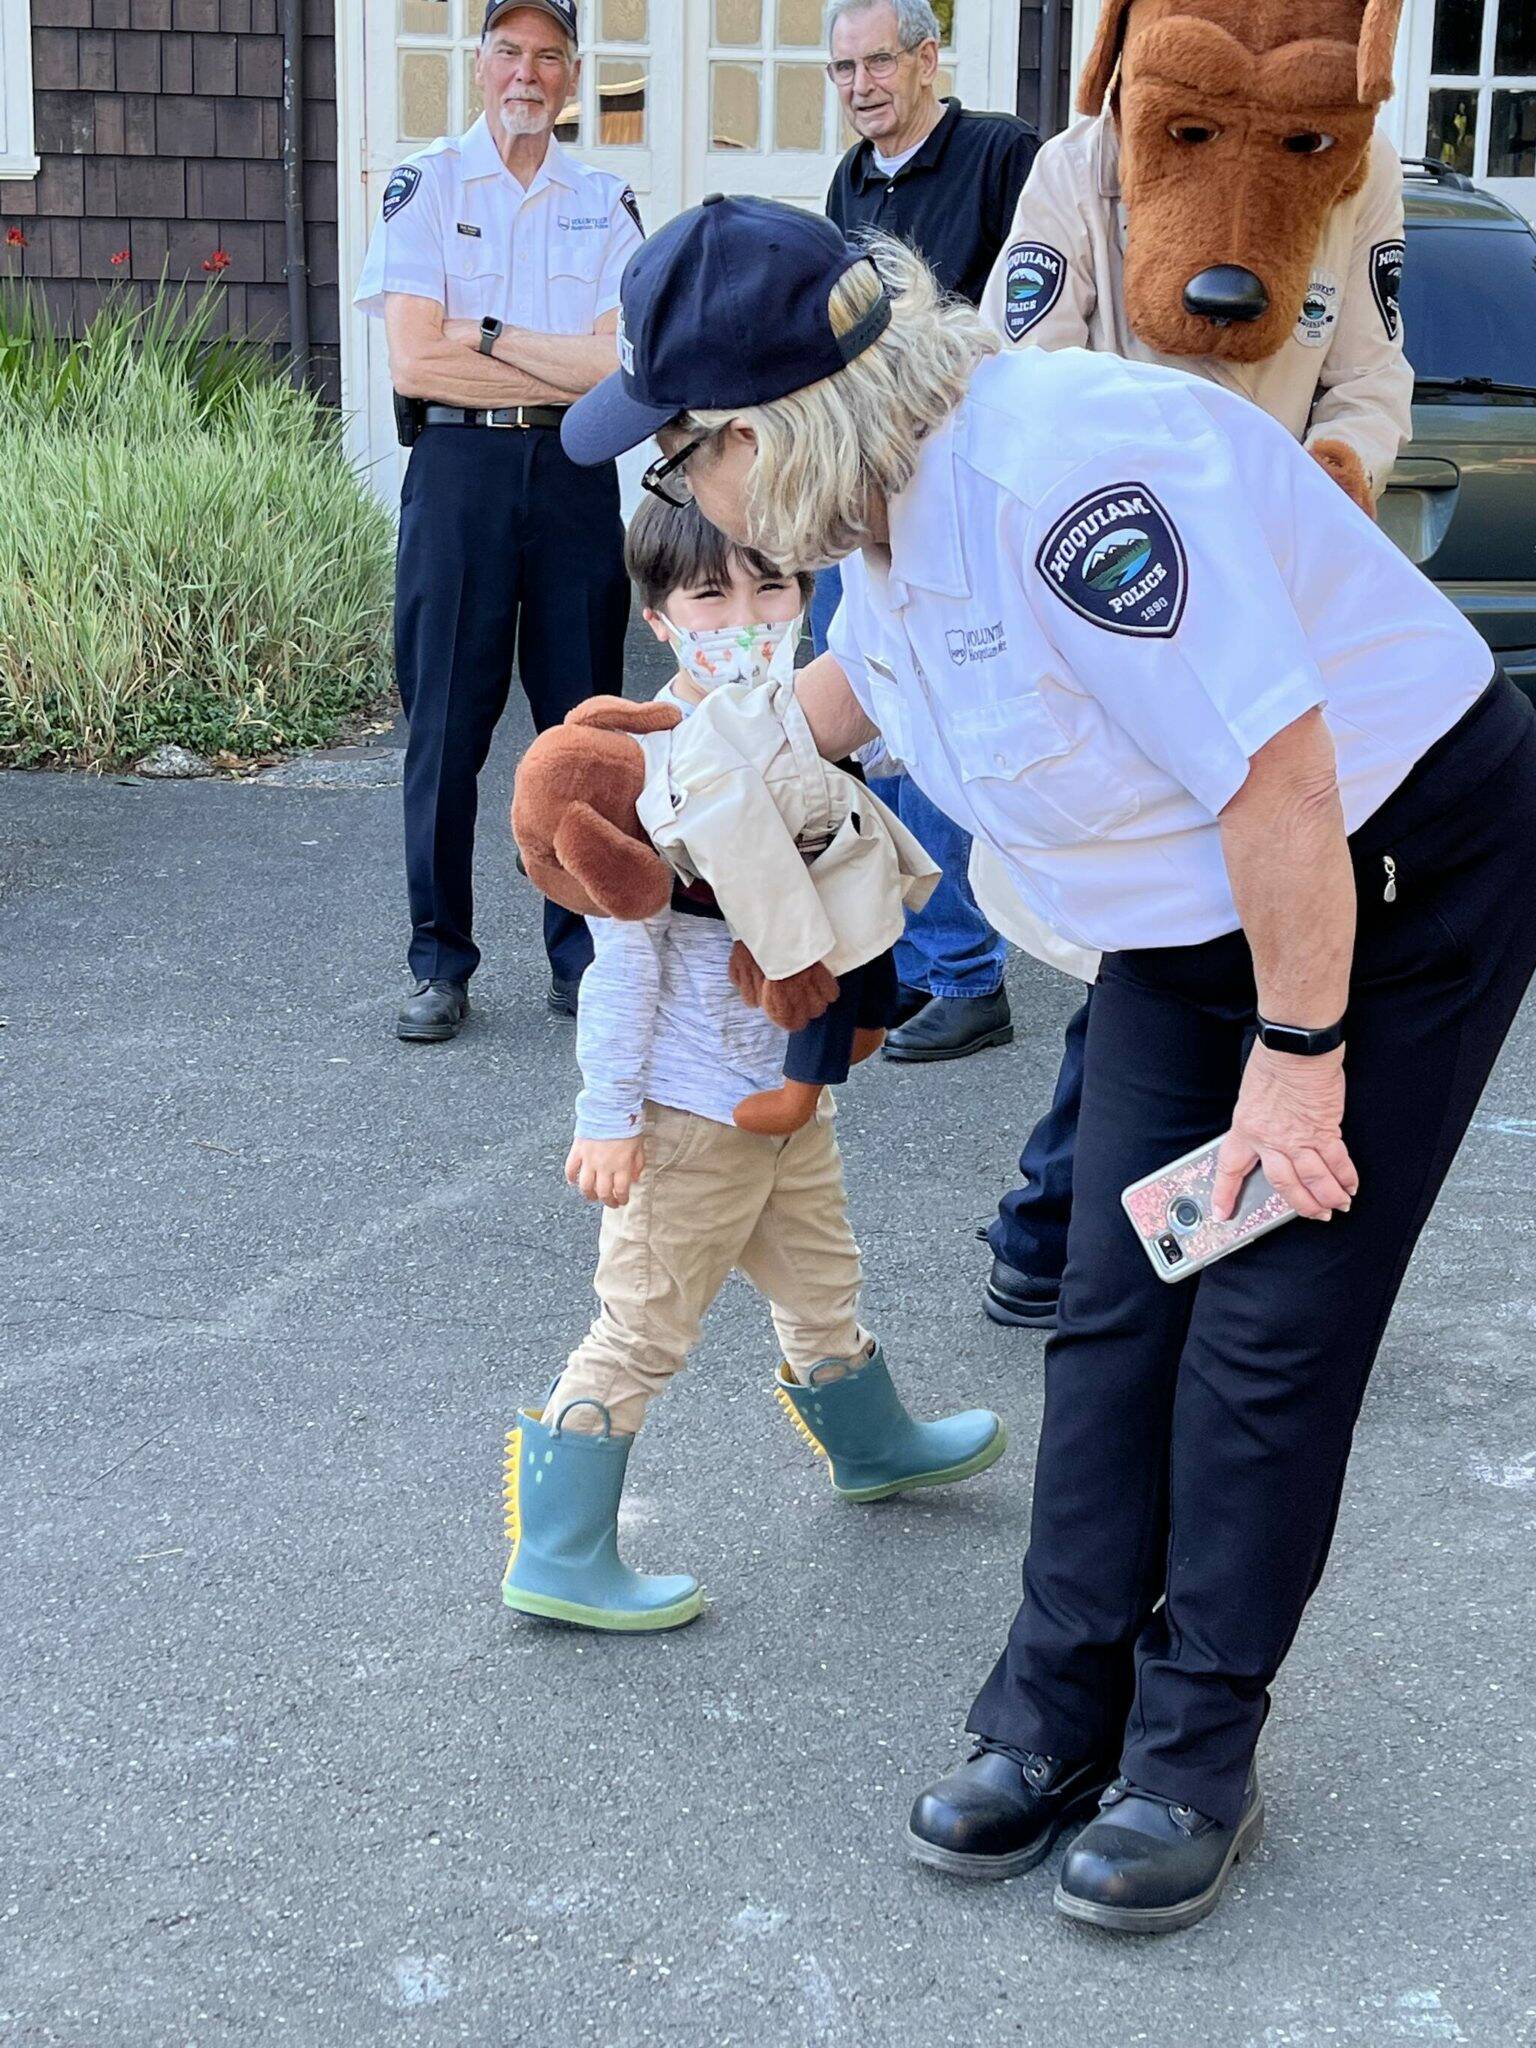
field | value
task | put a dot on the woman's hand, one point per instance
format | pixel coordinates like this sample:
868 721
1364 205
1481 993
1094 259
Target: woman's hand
605 1169
1288 1120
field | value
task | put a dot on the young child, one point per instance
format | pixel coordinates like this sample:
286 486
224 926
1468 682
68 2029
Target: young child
667 1049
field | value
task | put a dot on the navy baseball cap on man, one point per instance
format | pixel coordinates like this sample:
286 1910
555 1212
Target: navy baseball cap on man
564 12
724 306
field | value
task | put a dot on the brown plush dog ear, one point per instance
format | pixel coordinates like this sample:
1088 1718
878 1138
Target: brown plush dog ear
1093 86
618 714
1373 61
624 877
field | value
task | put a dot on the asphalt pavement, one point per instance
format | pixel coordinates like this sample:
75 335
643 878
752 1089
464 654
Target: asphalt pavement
278 1765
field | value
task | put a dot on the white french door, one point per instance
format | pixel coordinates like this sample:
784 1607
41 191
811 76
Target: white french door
1471 99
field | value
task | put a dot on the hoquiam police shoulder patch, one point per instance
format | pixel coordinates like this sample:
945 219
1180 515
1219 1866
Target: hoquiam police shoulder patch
631 206
401 189
1115 558
1032 282
1386 283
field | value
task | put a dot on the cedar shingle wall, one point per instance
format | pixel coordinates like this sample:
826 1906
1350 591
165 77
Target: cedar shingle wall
158 125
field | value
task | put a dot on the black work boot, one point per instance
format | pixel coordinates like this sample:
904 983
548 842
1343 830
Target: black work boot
1022 1301
949 1027
997 1814
1147 1866
436 1011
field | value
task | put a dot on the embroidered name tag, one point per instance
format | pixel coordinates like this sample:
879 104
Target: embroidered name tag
1116 560
466 229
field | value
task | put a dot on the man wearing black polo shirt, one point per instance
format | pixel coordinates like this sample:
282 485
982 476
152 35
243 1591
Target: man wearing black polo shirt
947 182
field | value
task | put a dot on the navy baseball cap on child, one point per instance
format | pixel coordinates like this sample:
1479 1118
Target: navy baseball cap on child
724 306
564 12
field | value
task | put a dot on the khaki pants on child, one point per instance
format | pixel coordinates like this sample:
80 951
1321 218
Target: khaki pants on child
713 1198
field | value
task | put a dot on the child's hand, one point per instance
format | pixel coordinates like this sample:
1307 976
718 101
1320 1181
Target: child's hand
605 1169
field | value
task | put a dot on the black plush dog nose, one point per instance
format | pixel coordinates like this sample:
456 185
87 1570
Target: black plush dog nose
1225 293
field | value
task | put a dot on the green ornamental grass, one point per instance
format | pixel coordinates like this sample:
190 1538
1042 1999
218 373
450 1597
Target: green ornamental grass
185 554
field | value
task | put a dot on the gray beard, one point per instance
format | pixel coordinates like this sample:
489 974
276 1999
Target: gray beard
526 119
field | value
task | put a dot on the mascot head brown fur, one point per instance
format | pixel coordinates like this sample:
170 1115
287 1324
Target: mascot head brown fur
1242 122
573 812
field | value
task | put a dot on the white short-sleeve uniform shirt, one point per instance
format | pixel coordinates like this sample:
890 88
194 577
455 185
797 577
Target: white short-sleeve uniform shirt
457 227
1109 585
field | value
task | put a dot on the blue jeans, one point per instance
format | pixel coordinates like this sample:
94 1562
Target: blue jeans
1029 1231
948 947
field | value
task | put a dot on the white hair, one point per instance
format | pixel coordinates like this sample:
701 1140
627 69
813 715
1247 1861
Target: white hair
916 21
827 454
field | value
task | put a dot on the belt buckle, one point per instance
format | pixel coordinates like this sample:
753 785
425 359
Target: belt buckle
516 424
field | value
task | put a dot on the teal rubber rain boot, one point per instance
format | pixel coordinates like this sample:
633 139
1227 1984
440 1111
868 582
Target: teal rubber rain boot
561 1493
854 1418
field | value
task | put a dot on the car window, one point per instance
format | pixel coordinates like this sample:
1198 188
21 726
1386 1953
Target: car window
1469 303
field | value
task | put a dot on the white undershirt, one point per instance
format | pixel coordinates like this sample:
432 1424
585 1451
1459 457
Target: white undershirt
888 166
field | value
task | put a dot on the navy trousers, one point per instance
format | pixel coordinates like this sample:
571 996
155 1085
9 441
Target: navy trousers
1029 1231
1195 1435
507 552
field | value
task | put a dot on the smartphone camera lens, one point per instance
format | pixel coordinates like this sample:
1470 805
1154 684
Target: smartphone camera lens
1185 1213
1171 1249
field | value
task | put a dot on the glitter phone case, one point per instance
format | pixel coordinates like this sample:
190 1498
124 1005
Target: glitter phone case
1170 1212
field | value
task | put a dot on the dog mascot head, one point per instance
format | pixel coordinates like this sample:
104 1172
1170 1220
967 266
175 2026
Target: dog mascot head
1242 122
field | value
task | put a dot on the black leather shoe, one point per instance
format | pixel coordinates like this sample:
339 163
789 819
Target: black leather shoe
909 1001
997 1814
1148 1867
436 1011
563 996
949 1027
1020 1300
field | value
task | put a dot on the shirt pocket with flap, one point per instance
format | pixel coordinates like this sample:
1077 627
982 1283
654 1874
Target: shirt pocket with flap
476 278
1040 784
888 712
575 259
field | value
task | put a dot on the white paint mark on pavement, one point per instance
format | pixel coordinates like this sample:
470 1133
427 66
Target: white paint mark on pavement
1508 1126
421 1980
1517 1477
758 1922
1419 2016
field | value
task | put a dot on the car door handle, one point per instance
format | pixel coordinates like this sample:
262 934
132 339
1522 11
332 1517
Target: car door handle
1424 473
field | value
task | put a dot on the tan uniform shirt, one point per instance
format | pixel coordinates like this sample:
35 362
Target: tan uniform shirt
806 864
1341 375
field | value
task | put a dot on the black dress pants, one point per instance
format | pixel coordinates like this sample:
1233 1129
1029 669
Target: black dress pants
1195 1435
507 550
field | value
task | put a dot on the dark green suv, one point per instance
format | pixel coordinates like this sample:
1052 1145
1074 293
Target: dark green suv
1462 499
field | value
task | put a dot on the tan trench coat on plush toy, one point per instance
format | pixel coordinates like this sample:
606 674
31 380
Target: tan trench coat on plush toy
1226 208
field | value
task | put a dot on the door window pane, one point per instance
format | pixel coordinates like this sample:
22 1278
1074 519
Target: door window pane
735 113
799 102
425 18
800 24
1512 135
568 127
423 95
945 10
1451 137
621 85
1458 44
622 21
1514 47
739 22
944 82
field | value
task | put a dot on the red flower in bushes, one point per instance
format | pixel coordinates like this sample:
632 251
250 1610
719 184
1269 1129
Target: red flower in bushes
15 239
218 261
120 258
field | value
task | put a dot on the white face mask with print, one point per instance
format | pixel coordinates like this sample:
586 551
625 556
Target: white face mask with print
712 655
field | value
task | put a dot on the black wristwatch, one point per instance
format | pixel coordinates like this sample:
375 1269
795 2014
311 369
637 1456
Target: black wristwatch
1297 1038
490 331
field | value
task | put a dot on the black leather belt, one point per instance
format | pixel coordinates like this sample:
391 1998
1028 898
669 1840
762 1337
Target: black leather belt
504 416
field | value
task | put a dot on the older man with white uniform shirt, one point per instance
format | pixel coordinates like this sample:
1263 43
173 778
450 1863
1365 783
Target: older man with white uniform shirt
1339 377
495 266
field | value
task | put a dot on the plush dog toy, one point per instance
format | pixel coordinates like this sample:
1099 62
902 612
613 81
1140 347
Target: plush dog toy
795 852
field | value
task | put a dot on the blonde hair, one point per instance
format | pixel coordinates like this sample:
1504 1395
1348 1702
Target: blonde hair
827 452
